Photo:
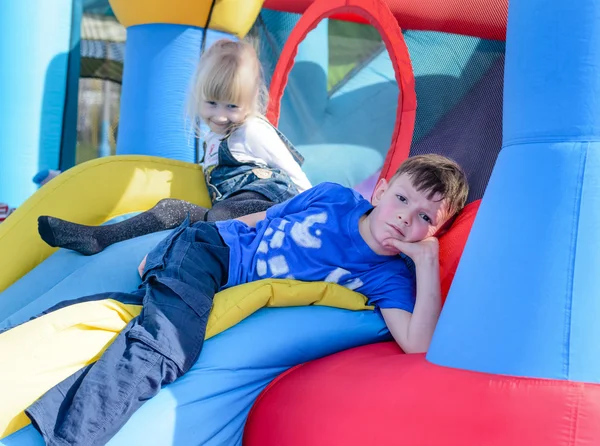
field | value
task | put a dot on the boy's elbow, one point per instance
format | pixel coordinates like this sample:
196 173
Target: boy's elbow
412 349
414 346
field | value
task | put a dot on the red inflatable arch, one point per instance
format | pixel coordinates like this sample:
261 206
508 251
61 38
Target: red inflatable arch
377 13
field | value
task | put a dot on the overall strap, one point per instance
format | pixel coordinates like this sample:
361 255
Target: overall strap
295 154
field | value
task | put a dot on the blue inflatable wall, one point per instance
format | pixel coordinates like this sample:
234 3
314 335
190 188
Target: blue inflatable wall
525 298
35 41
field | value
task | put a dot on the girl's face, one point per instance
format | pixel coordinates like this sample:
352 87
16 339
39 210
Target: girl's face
221 116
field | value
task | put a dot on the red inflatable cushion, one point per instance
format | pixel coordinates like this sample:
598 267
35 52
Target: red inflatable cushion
452 244
374 395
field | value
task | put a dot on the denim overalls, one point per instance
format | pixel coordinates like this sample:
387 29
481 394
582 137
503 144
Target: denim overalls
230 176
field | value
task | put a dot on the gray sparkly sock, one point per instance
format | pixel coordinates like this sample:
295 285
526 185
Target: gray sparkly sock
88 240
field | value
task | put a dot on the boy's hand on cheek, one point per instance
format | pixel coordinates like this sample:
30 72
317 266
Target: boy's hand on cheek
424 251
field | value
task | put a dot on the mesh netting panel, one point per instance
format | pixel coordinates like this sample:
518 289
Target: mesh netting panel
459 84
102 60
102 48
349 44
271 30
102 56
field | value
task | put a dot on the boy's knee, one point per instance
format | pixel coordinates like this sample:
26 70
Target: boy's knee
219 213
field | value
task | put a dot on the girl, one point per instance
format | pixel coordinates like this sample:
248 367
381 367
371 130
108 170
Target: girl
248 164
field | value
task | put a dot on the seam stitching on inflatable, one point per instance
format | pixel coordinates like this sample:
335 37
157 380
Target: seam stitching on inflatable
570 282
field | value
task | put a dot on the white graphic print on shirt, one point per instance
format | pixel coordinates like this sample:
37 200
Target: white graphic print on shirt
277 265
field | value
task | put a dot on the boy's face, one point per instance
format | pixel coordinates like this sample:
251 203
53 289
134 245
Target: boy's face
402 213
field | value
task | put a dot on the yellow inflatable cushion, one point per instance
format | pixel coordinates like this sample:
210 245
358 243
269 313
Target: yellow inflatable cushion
93 193
46 350
230 16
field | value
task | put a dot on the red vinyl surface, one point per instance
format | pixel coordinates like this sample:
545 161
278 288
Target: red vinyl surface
375 395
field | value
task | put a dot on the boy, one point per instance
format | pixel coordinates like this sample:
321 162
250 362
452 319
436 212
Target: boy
328 233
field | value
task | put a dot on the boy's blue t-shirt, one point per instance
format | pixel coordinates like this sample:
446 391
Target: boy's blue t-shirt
315 237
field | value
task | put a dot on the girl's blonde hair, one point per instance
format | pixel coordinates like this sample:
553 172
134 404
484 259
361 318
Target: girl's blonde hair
229 71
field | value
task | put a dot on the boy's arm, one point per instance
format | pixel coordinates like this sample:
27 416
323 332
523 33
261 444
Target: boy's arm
252 219
413 332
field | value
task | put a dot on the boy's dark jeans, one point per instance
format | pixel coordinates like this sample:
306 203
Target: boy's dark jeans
182 275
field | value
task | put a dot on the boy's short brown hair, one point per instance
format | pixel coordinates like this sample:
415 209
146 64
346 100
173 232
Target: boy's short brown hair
437 174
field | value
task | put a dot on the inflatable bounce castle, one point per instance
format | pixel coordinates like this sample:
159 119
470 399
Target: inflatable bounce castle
512 361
